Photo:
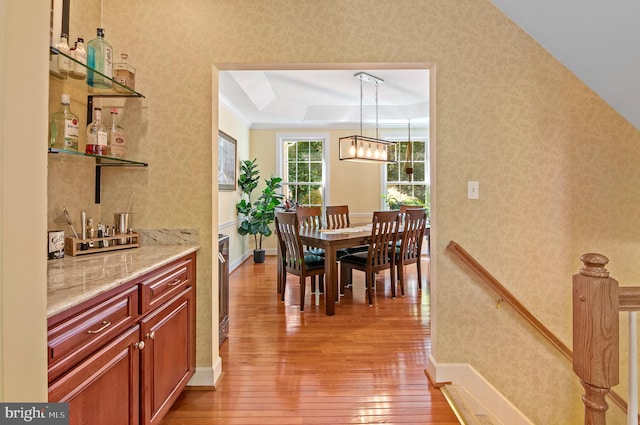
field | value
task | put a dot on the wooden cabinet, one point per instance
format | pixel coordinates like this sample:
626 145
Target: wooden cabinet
223 288
125 356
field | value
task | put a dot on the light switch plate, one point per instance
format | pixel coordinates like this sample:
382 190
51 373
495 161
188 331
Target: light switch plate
473 190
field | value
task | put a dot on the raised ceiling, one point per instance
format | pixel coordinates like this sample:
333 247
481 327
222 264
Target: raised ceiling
326 98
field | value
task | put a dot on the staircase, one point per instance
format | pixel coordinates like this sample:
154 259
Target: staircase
466 407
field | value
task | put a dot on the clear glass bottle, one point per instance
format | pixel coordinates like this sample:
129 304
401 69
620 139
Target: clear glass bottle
80 54
100 58
64 127
117 137
124 74
97 140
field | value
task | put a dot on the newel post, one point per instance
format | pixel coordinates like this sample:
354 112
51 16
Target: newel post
595 334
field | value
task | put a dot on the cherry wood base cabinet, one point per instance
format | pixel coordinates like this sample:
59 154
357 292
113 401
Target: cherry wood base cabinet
125 356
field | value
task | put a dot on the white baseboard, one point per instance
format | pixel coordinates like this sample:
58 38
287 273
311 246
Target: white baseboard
484 397
206 376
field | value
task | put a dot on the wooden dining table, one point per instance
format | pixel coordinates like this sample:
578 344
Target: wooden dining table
331 240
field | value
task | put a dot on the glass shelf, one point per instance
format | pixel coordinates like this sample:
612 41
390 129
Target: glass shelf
102 160
97 92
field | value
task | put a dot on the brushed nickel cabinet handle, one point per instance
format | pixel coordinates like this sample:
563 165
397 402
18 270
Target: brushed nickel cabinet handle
104 326
139 345
151 335
174 283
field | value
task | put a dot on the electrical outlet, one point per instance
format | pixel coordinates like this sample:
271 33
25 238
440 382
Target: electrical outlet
473 190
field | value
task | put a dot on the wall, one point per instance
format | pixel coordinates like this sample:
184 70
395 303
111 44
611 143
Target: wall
509 116
543 147
23 135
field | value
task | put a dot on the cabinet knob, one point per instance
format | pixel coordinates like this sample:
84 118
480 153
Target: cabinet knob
151 335
139 345
174 283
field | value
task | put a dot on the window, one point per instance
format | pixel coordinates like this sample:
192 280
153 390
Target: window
302 168
409 188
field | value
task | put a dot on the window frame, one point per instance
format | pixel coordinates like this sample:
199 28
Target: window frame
282 138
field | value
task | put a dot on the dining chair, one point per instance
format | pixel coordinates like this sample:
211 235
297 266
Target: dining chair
379 256
292 254
337 216
311 218
410 248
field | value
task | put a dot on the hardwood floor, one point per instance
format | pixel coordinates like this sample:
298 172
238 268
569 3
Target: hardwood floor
365 365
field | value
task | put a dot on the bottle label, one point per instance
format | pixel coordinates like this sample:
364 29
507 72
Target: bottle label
102 138
108 61
71 133
118 143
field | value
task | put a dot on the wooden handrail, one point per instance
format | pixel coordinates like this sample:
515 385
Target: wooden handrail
509 297
628 300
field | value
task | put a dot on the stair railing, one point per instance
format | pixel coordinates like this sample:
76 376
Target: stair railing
594 399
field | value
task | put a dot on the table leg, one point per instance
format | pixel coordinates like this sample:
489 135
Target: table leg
331 280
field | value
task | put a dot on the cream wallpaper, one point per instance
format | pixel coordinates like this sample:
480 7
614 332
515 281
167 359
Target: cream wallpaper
557 166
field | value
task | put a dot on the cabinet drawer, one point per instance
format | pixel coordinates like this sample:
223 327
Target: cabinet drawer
166 283
75 338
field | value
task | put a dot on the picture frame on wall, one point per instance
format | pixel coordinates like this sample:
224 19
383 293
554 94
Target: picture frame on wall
227 151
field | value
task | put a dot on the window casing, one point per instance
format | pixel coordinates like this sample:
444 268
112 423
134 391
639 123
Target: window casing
302 165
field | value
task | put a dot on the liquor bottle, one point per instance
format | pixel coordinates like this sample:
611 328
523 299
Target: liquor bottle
59 64
124 74
117 137
64 127
99 58
97 135
80 54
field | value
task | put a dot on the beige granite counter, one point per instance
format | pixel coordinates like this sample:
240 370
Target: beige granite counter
73 280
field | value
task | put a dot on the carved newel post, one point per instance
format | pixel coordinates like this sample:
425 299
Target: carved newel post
595 335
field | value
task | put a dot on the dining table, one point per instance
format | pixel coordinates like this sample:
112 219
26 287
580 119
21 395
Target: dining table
332 240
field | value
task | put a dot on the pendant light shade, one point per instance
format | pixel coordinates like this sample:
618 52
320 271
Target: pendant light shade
367 149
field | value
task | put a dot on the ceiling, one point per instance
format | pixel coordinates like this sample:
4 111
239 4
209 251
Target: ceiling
326 98
599 41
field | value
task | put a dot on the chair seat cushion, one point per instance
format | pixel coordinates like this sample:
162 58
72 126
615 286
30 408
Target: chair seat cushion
354 249
315 251
313 261
356 258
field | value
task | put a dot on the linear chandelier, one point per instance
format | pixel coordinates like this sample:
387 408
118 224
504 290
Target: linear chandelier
367 149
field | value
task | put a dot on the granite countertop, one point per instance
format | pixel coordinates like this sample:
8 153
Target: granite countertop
73 280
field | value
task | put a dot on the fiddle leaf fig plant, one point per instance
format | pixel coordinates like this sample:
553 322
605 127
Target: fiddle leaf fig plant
255 217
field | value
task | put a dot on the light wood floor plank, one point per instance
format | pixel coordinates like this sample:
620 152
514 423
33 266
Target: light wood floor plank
365 365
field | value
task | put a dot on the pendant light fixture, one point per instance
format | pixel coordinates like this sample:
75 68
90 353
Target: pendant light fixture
367 149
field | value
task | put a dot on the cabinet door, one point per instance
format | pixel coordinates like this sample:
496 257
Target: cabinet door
168 359
104 388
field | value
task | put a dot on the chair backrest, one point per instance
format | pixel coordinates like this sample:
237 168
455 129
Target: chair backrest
337 216
310 217
384 234
288 231
413 234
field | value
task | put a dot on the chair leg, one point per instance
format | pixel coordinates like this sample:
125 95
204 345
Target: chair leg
313 284
303 283
419 274
284 285
392 275
321 284
401 279
343 277
370 278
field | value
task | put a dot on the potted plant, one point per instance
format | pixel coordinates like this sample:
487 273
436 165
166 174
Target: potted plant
255 217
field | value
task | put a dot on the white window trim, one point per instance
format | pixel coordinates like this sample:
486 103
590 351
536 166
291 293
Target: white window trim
305 136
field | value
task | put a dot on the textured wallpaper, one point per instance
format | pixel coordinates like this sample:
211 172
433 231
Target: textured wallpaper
557 166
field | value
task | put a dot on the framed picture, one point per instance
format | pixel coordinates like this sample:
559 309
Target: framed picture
227 150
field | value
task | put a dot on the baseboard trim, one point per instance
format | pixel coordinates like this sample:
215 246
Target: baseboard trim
206 376
485 398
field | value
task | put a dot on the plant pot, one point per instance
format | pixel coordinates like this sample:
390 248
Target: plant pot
258 255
